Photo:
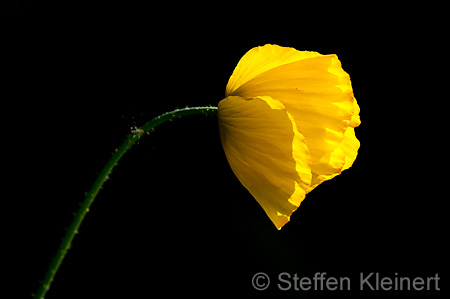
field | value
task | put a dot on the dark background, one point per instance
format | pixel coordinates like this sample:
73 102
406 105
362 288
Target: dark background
173 218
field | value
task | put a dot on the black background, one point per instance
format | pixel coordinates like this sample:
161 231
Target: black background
173 218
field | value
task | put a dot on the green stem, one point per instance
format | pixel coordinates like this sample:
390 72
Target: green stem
102 177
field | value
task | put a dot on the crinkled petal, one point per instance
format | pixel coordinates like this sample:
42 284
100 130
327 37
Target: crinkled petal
266 152
355 120
350 145
317 92
260 59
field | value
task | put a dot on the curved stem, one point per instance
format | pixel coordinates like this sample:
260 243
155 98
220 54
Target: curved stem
102 177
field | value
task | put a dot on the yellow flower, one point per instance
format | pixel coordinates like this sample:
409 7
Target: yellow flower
287 125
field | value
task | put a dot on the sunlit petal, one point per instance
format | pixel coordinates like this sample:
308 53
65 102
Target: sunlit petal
266 152
260 59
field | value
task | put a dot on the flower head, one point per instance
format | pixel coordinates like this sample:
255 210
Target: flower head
287 125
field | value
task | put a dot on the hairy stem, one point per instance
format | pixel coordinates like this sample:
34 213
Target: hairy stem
102 177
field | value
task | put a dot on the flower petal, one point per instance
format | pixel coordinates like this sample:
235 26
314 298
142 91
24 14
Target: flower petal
266 152
317 92
350 145
261 59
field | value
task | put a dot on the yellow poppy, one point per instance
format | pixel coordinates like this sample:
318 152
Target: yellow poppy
287 125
